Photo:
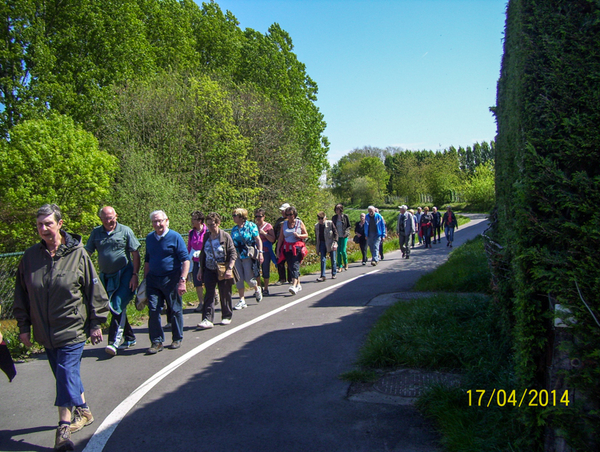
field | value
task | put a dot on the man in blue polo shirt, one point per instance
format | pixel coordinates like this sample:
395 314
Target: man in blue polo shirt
165 268
119 264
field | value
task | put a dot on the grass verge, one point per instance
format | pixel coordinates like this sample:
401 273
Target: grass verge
466 270
451 332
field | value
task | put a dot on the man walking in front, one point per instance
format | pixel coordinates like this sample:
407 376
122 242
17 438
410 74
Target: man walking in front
375 231
165 268
119 264
404 228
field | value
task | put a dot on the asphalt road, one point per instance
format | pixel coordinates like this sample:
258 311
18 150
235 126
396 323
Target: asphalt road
267 382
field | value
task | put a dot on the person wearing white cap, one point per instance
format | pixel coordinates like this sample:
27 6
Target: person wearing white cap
284 277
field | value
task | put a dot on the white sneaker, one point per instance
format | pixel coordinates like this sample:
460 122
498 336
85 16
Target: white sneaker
205 324
225 321
298 287
293 290
241 305
258 294
111 350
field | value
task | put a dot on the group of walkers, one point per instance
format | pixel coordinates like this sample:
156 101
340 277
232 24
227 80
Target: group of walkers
60 295
424 225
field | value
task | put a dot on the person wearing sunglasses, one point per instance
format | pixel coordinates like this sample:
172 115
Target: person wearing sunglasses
327 236
247 244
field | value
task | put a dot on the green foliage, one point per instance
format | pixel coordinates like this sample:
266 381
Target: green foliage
444 332
50 161
199 113
267 61
479 189
18 351
437 178
359 178
180 150
466 270
548 190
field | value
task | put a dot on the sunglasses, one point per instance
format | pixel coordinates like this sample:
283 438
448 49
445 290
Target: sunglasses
289 214
258 216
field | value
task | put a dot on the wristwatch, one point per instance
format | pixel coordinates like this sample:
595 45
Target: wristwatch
182 279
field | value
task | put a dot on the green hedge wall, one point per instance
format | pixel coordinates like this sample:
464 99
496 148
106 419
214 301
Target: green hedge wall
548 195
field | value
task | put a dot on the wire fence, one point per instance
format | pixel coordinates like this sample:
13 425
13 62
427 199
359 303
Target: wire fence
8 272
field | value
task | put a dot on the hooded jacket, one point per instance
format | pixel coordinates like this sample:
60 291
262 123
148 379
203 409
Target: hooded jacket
60 296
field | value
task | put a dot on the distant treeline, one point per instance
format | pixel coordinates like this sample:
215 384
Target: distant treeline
373 175
150 104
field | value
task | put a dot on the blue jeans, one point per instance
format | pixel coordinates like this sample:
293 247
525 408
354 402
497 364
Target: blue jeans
159 290
449 231
323 253
65 363
374 247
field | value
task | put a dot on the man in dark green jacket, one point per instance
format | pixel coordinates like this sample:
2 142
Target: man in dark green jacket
58 293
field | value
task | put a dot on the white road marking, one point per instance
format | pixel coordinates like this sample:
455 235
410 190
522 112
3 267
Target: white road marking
106 429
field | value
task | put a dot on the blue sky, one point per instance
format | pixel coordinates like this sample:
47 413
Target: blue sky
419 74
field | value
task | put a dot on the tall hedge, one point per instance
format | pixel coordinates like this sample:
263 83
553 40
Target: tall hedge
548 195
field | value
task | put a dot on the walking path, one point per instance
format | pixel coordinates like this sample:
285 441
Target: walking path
268 382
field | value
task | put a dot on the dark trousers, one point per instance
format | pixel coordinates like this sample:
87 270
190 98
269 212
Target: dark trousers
438 230
283 275
427 235
120 328
211 281
404 241
293 262
363 249
161 289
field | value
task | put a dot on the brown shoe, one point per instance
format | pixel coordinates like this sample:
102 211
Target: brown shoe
63 438
155 348
175 345
80 418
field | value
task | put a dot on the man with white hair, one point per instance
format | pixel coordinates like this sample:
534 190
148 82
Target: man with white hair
165 268
374 231
404 228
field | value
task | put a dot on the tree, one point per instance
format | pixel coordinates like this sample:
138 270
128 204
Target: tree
219 40
50 161
440 174
268 62
480 188
60 55
183 129
365 191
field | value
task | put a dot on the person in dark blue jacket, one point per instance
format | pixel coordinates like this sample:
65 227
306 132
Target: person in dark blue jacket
166 267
